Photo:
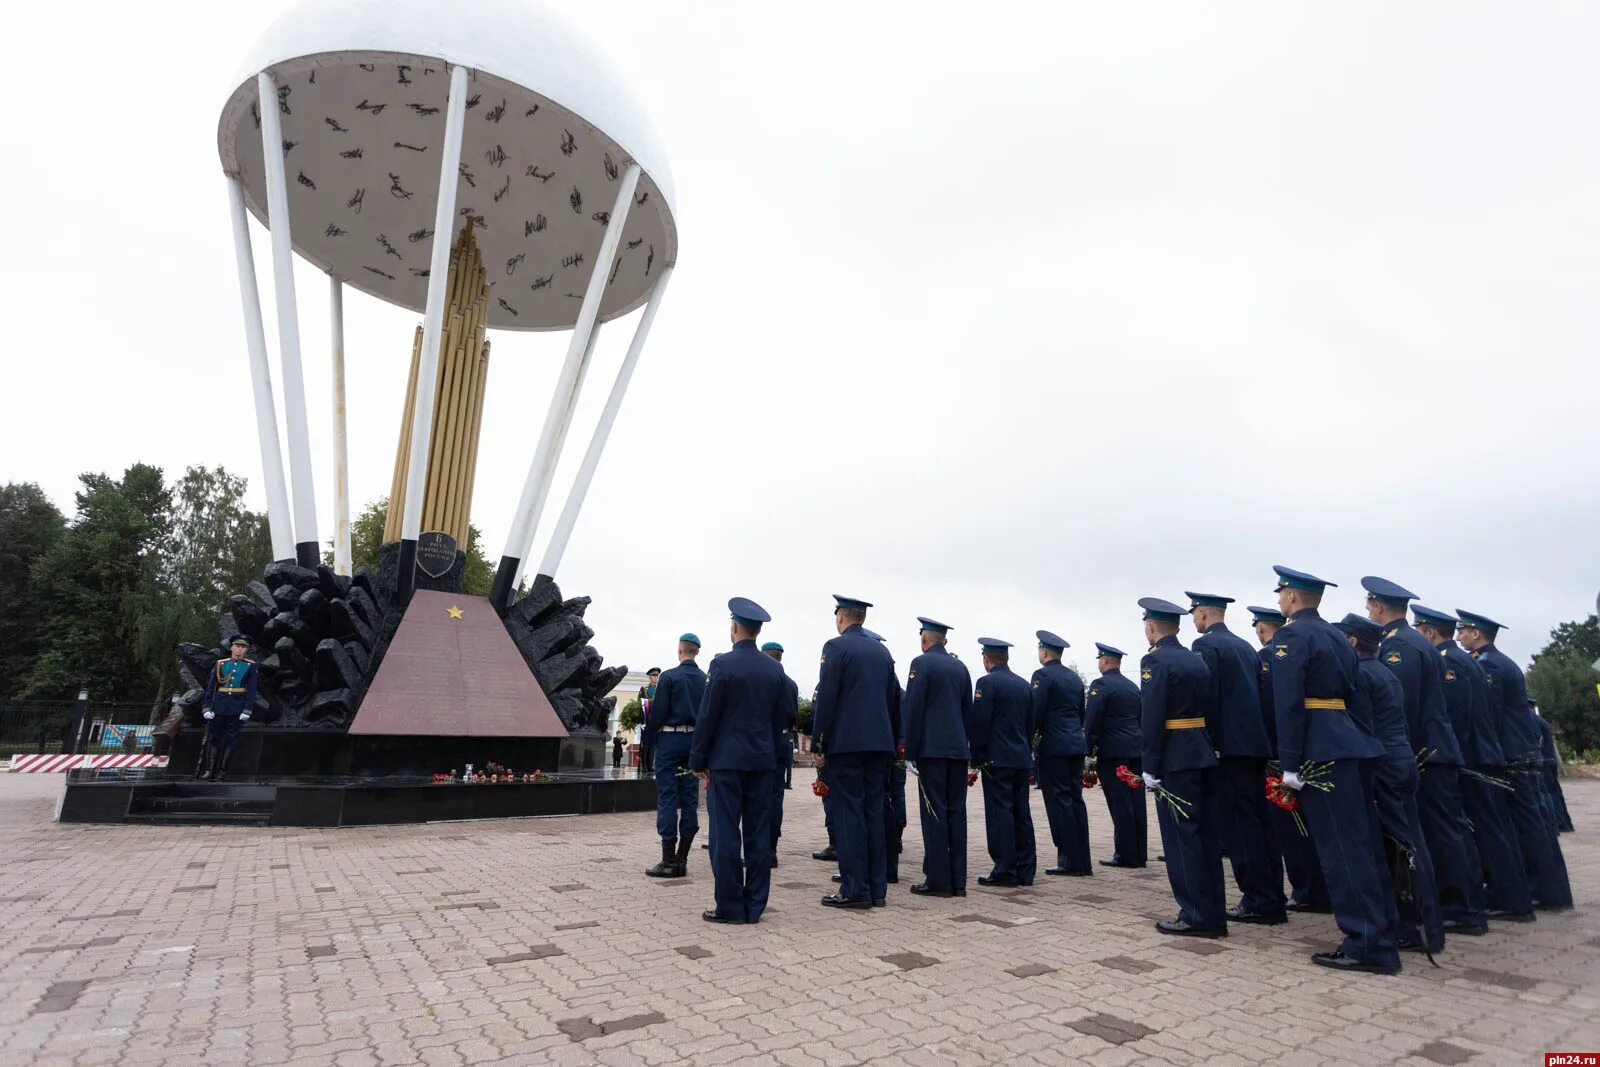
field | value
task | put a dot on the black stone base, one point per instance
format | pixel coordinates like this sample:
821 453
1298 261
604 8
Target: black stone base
285 751
171 799
585 752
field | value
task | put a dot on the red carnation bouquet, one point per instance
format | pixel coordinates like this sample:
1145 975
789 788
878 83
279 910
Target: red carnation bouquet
1091 779
819 788
1128 778
1179 806
1286 799
972 779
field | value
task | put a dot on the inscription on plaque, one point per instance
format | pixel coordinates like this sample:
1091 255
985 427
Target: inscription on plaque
436 554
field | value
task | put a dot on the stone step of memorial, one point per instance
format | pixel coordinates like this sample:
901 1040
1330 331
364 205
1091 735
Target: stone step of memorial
205 802
201 818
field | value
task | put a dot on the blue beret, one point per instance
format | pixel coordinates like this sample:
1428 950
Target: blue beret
851 602
1207 600
1293 579
872 634
1384 589
1107 650
932 624
691 638
1272 615
1432 615
1161 610
994 643
1361 628
1481 622
1050 640
746 610
772 646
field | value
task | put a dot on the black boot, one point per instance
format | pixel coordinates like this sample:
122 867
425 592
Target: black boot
668 867
681 860
827 854
202 761
219 765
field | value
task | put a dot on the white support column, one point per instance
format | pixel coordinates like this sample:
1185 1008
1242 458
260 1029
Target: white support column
525 523
444 218
255 339
308 550
597 444
341 445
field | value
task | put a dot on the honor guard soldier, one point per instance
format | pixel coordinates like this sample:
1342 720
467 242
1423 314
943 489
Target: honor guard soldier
785 748
1552 772
647 696
1466 694
229 699
742 717
1239 730
1394 793
1520 741
938 703
856 724
1307 891
1111 728
1435 738
1180 761
1056 729
670 733
894 791
1001 706
1315 678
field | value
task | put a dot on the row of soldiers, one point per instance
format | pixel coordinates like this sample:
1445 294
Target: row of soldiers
1395 858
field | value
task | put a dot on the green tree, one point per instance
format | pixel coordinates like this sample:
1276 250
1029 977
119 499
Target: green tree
30 526
1562 681
631 717
90 586
803 720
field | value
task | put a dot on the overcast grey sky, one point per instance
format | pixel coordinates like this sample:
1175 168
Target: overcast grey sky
1007 314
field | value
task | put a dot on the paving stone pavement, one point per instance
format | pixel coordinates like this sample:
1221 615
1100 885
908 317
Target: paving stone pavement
526 941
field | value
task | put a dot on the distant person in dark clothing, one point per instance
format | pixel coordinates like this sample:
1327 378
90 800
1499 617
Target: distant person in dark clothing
616 750
647 748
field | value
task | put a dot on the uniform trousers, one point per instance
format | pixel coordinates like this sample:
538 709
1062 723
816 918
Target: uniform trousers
1061 785
1252 852
1344 825
777 805
741 811
1552 789
1008 824
856 785
1125 804
1499 855
1394 795
1541 853
677 791
224 732
1455 857
1191 837
942 800
894 817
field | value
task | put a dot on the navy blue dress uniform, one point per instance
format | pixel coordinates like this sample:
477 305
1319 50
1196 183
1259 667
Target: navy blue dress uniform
1002 705
1178 754
229 699
1056 730
1466 694
785 753
1238 728
856 722
670 735
1111 729
894 792
1434 740
1521 742
1315 682
1307 890
1394 794
1552 774
938 705
742 717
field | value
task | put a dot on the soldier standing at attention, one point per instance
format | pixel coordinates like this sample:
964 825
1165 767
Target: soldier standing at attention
1394 789
1239 730
785 748
1435 739
647 696
1315 678
938 704
894 790
856 724
670 730
1307 891
1520 741
1056 730
229 699
742 717
1180 759
1466 694
1552 771
1111 727
998 733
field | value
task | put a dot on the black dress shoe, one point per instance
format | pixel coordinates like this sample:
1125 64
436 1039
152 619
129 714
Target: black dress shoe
825 854
959 892
1161 857
1466 929
1309 909
1513 916
1340 962
838 878
984 879
834 900
880 902
713 917
1179 928
1237 914
922 889
774 859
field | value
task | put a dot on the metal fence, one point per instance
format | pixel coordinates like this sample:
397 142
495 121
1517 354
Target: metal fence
46 726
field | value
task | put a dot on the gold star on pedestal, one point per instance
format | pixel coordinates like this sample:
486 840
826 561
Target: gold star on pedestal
455 612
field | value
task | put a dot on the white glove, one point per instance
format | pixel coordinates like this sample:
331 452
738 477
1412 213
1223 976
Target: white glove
244 718
1292 780
209 715
1150 780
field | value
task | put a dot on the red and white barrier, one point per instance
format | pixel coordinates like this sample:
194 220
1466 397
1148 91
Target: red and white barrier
56 763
